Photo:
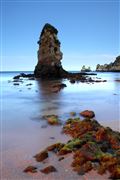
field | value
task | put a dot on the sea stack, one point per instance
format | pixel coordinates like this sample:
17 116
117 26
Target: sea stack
49 54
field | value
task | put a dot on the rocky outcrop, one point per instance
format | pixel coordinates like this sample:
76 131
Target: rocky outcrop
49 54
112 67
85 69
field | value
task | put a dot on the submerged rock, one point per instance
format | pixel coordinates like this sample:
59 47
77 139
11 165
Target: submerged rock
16 84
52 119
57 87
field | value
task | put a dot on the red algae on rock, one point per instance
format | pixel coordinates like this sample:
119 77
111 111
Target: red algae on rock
87 113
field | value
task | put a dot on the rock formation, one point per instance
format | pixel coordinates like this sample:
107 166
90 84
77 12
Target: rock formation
49 54
112 67
85 69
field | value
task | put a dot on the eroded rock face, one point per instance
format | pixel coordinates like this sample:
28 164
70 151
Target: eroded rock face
112 67
49 54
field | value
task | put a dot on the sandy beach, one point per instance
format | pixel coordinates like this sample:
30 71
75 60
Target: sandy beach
25 133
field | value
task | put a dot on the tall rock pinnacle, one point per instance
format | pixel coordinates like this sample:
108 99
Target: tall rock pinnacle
49 54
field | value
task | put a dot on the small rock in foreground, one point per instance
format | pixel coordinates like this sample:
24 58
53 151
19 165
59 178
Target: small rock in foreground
48 169
31 169
41 156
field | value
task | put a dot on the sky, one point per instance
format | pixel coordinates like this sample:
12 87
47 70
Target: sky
87 29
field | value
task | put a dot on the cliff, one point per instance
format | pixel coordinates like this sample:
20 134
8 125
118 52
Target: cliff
112 67
49 54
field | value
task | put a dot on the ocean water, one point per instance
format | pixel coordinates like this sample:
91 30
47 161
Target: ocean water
22 108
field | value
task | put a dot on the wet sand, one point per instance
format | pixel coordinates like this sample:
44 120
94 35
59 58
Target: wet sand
22 111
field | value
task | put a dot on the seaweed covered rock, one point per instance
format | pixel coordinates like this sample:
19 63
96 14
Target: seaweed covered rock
49 54
92 145
55 147
52 119
98 144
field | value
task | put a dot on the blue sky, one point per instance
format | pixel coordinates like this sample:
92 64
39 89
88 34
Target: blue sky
88 31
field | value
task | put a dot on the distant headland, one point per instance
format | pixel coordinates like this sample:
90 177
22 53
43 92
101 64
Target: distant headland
112 67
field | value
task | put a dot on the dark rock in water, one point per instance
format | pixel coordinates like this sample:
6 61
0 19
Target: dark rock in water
29 84
117 80
31 78
41 156
49 54
16 77
112 67
72 81
24 76
49 169
52 137
17 80
31 169
87 113
16 84
44 126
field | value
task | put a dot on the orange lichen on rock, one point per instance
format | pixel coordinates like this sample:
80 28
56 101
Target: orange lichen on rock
76 128
101 134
